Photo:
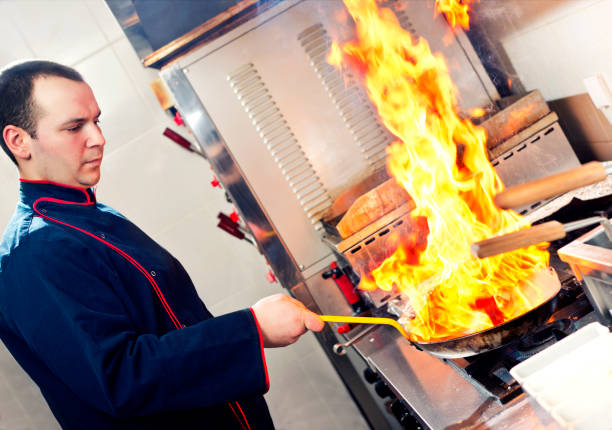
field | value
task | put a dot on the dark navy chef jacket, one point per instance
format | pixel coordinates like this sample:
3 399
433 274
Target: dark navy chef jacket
110 327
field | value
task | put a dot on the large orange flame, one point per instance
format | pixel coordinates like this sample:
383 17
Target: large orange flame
441 160
456 11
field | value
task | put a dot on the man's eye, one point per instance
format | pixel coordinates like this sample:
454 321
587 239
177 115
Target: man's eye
75 128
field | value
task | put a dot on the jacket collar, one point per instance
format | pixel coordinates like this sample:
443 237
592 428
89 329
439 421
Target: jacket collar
30 191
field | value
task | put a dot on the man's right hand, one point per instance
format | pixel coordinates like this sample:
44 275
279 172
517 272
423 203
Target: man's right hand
282 320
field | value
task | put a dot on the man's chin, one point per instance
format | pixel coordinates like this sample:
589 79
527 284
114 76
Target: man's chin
89 180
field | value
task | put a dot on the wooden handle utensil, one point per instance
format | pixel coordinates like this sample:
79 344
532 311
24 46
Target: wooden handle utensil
544 232
550 186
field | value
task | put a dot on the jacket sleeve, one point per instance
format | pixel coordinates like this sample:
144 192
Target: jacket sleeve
63 304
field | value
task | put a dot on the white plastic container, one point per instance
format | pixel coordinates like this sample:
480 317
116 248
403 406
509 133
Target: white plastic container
572 379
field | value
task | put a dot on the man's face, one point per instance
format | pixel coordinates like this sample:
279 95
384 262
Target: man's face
69 144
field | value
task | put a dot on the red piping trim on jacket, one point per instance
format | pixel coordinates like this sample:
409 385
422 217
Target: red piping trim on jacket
263 356
125 255
245 420
237 417
29 181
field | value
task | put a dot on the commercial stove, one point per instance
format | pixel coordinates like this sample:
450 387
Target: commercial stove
287 136
478 391
471 392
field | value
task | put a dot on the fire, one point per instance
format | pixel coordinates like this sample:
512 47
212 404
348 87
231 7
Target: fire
477 112
516 119
335 55
441 160
456 11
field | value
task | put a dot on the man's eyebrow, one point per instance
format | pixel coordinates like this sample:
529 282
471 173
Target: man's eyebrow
79 120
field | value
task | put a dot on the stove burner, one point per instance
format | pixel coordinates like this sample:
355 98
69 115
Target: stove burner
543 337
489 371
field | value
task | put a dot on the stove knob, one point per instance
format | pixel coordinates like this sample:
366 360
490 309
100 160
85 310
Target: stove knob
403 415
344 328
397 409
178 120
409 422
370 375
382 390
270 276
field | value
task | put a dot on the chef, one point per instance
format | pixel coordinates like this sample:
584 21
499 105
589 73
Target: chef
104 320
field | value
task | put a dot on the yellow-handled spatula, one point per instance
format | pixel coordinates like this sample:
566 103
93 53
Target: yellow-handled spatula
365 320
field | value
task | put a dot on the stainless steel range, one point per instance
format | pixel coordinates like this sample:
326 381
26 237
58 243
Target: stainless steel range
289 136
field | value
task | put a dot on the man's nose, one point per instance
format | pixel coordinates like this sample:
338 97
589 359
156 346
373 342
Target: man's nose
95 138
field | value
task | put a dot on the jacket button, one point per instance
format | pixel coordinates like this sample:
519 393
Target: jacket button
102 235
153 273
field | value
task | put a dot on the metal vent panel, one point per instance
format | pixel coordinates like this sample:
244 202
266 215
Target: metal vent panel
266 153
280 141
288 50
350 99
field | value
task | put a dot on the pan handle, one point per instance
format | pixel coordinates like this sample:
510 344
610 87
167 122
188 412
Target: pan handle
365 320
544 188
545 232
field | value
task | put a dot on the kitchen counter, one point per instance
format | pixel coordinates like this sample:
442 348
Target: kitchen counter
441 397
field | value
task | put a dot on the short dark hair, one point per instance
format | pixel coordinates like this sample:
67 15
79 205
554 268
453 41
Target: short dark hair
17 106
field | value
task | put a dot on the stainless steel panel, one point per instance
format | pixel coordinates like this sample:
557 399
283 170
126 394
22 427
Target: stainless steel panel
327 295
263 95
590 257
228 171
441 397
301 131
543 154
474 87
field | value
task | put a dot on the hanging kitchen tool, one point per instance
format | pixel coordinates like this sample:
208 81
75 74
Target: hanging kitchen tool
545 232
550 186
485 340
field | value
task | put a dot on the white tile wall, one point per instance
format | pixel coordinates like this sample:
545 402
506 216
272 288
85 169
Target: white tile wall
104 19
139 76
63 30
125 115
205 251
565 42
152 180
13 46
165 190
8 189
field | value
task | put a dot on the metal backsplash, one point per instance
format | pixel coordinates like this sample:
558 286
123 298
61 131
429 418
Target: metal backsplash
300 131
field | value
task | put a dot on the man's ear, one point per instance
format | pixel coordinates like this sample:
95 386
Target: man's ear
18 141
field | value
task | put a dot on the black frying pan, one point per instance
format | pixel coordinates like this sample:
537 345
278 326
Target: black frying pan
482 341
